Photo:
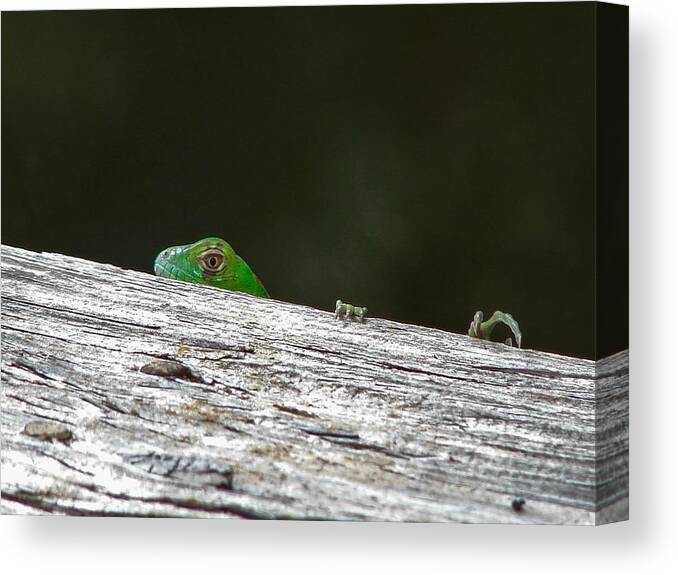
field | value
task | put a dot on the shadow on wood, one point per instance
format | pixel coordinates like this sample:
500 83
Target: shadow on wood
131 395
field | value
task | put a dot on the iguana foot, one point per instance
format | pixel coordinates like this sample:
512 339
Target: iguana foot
483 329
347 311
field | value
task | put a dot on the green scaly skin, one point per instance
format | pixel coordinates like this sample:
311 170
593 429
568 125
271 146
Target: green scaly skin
210 261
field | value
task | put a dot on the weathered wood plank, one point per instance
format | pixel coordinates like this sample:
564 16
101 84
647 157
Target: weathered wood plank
281 411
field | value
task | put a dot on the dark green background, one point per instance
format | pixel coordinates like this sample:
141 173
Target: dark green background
425 161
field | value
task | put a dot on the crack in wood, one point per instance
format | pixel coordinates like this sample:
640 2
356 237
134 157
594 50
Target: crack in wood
294 411
95 318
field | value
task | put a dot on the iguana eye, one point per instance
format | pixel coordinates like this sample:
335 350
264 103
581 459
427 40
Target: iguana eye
212 261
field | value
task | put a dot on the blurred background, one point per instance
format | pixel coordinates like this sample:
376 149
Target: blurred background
424 161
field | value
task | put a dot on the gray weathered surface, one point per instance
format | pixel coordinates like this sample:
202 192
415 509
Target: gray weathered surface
281 411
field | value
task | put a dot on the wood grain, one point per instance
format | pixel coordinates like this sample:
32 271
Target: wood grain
130 395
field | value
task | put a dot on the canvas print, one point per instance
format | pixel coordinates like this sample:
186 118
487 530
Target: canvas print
362 263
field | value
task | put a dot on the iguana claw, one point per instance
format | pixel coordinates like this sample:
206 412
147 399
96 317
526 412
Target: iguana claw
483 329
346 310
